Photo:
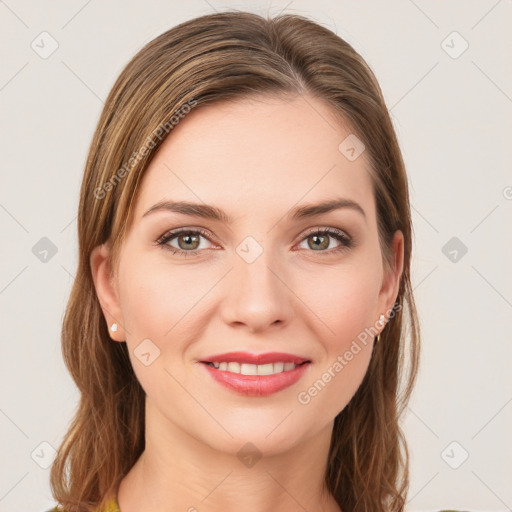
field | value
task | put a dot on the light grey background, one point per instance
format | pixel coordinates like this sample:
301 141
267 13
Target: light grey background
453 119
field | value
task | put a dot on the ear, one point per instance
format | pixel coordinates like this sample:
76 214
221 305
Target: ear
392 277
106 291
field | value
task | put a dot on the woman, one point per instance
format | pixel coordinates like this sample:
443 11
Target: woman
237 323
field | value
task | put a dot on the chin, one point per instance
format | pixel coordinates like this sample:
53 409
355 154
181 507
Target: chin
248 446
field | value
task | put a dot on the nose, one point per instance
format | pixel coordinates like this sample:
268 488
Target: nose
257 295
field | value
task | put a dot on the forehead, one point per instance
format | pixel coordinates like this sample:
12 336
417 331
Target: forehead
260 155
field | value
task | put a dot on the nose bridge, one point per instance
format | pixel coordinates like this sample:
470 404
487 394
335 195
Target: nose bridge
258 296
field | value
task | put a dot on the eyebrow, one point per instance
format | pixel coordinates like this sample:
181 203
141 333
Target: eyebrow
211 212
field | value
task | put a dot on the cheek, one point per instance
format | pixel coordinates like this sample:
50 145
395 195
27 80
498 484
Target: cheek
158 301
343 301
332 386
162 304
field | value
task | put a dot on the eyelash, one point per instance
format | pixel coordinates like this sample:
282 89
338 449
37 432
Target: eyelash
346 241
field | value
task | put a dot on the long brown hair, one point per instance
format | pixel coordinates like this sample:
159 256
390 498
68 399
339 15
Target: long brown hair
217 57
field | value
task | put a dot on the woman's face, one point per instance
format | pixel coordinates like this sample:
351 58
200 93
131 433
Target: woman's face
255 277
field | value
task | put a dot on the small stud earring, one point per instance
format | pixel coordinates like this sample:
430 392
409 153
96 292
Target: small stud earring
113 327
382 321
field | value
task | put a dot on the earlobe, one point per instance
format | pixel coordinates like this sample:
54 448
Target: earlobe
106 291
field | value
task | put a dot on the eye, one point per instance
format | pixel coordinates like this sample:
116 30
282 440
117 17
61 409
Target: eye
320 238
188 241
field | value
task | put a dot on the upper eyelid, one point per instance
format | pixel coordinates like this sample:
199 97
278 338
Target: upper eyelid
178 231
206 233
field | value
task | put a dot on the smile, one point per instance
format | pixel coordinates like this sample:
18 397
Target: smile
256 375
254 369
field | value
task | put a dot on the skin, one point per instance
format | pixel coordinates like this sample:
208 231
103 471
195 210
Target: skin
257 160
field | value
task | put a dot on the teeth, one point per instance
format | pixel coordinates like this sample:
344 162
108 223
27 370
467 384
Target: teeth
254 369
279 367
265 369
248 369
233 367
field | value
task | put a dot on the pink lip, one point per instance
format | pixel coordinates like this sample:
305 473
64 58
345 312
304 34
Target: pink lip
257 385
246 357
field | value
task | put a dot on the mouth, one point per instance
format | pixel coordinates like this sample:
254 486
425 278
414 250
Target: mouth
256 375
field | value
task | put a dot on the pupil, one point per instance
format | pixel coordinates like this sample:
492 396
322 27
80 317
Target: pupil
317 240
189 239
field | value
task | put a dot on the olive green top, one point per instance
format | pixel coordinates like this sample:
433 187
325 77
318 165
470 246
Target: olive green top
111 506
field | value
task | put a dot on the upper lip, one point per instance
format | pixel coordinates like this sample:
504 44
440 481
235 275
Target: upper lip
246 357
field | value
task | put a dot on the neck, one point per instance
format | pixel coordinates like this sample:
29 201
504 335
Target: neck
178 472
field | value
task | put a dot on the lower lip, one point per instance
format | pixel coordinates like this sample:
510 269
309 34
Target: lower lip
257 385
